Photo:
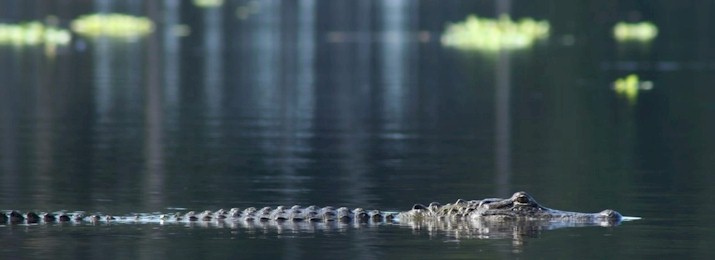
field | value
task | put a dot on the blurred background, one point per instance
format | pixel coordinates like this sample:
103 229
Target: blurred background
144 106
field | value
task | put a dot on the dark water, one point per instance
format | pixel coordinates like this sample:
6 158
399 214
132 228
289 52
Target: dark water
356 103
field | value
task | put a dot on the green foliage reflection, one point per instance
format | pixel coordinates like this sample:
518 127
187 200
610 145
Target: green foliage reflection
208 3
112 25
642 32
487 34
33 33
629 87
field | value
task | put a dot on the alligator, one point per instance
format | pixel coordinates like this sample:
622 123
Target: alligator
519 208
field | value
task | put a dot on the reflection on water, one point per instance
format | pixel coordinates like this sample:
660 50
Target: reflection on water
154 117
213 72
356 103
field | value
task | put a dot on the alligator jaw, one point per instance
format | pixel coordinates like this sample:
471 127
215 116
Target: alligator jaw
522 206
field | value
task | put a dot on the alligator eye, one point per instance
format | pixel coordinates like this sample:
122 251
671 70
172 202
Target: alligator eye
522 199
419 207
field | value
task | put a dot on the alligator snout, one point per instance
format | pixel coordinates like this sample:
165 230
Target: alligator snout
610 215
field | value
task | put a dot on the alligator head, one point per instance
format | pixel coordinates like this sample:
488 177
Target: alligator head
521 206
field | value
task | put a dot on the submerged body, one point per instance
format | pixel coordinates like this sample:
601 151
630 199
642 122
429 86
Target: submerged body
521 207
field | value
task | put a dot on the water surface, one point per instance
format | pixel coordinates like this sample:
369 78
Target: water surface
356 103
